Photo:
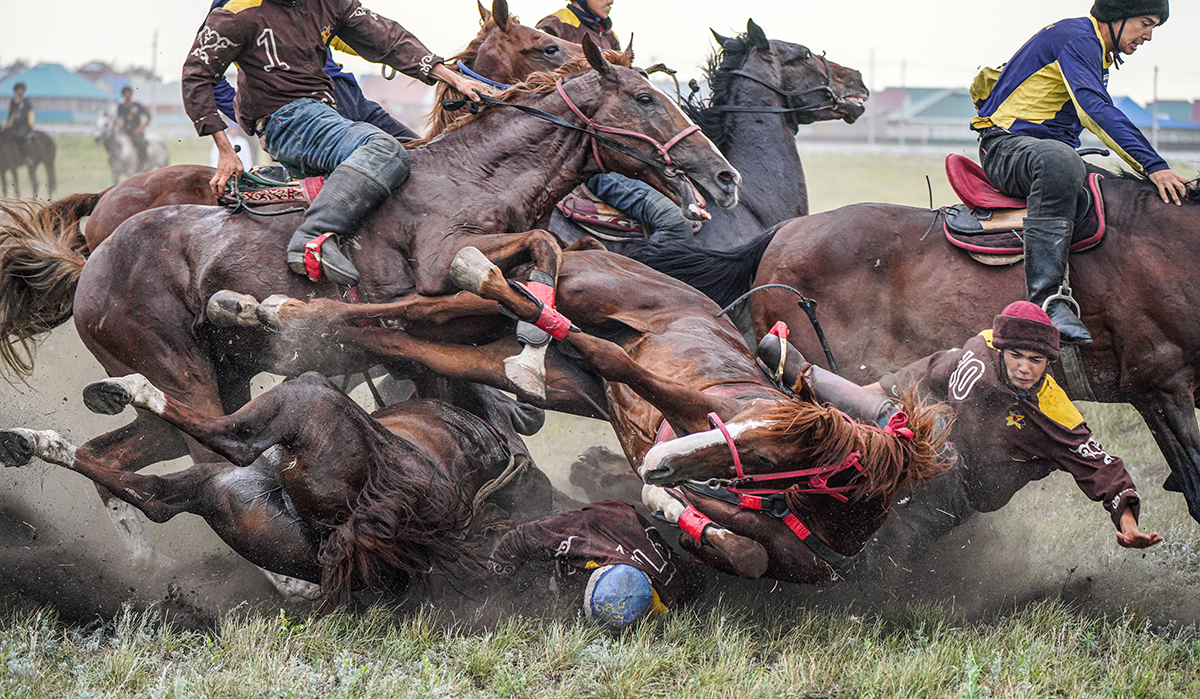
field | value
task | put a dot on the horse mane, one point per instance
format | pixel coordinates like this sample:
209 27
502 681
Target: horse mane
438 118
888 462
718 72
539 83
1193 195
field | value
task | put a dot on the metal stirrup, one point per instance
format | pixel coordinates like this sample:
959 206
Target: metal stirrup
1064 294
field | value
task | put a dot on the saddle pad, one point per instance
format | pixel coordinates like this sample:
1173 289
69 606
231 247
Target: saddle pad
986 238
584 208
290 193
973 187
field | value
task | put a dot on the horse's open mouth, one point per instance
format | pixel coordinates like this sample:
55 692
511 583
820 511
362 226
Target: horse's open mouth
694 205
852 107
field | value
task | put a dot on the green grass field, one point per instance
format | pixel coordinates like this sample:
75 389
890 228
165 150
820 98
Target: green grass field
1036 600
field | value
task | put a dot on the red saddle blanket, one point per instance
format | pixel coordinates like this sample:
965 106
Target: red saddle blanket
989 222
608 223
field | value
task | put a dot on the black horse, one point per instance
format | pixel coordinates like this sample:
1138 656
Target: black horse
15 151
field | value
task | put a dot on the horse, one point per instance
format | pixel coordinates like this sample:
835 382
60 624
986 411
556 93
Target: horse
342 498
37 149
647 352
892 292
123 160
761 91
141 297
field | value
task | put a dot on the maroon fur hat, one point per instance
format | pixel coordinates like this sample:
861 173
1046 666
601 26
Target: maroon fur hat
1024 326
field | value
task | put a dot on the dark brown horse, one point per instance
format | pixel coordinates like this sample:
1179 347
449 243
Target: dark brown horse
653 350
141 298
760 91
38 150
342 498
892 291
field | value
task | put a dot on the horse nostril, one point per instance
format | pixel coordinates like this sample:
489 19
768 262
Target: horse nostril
728 177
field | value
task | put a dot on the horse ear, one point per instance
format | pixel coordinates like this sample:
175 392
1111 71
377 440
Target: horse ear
720 39
758 38
629 49
500 14
596 57
484 14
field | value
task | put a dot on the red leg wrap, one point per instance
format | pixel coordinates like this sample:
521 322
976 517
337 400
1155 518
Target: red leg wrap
692 522
780 330
553 322
312 256
542 292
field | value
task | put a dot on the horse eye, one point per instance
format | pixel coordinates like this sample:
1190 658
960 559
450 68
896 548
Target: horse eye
807 56
551 50
645 98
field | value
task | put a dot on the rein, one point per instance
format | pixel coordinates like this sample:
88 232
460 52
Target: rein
594 131
827 89
462 68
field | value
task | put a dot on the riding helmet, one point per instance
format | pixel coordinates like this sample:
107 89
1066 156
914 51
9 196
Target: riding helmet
617 596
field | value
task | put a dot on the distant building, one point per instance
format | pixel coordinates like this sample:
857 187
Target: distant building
59 96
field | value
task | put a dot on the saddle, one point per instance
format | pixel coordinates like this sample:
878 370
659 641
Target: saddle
270 184
988 224
599 219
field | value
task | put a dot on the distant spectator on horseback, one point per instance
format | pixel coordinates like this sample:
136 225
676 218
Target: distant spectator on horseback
351 102
1014 424
582 18
132 119
1031 112
609 552
20 117
285 96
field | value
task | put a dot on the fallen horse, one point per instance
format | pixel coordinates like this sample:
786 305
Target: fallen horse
646 353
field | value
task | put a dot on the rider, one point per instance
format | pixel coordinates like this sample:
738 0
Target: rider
630 571
582 18
132 118
351 102
286 98
1011 412
1030 116
20 116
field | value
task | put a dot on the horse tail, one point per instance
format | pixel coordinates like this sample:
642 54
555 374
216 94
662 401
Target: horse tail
722 275
42 252
400 527
891 462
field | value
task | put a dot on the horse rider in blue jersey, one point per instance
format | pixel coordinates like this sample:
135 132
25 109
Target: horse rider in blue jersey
1031 112
284 95
351 102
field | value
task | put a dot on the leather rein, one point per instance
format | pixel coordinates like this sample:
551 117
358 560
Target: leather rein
833 100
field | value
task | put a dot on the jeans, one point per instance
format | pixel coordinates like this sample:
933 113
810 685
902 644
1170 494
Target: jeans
644 203
1049 174
309 138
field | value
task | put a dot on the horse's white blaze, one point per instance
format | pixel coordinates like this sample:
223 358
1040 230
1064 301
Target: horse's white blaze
682 446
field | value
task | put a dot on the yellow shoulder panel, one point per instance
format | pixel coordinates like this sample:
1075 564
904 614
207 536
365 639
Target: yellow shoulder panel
1039 98
1054 403
987 337
339 45
236 6
567 17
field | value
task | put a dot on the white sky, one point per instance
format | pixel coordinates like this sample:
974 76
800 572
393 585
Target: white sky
934 43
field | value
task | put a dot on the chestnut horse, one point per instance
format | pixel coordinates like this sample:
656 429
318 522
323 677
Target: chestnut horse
142 295
344 499
760 91
40 288
652 351
893 291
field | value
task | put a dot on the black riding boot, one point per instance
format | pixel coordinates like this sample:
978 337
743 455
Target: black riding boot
347 196
1047 243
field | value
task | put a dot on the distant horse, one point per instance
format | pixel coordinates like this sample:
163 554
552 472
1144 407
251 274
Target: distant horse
891 291
651 357
37 150
123 160
761 91
141 298
344 499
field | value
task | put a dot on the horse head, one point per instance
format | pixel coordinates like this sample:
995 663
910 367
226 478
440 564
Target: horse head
811 87
780 444
508 51
626 107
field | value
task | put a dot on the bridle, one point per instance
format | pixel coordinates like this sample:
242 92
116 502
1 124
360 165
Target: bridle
833 98
816 478
661 160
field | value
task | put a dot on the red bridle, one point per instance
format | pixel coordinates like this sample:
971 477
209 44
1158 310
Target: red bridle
593 128
818 477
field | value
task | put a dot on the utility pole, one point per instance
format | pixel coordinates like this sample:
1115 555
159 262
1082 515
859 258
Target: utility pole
1154 113
154 55
873 87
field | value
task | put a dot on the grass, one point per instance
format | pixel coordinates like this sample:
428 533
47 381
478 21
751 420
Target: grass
1043 650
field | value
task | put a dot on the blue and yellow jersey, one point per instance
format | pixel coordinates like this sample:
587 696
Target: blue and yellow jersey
1055 86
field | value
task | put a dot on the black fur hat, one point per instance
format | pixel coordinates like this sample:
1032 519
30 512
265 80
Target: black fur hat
1116 10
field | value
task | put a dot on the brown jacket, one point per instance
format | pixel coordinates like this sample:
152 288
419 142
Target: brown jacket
566 25
280 51
603 533
1009 437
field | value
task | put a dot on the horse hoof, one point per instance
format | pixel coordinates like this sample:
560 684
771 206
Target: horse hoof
229 309
470 269
268 310
529 377
111 396
17 447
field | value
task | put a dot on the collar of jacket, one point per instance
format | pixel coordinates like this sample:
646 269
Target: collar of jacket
589 18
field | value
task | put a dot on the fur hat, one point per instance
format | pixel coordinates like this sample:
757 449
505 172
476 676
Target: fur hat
1116 10
1025 326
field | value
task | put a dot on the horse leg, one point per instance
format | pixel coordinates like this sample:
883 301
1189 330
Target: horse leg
1172 420
716 545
